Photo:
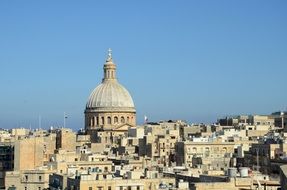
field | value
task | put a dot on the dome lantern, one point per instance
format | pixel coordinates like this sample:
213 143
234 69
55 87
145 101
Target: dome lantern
109 68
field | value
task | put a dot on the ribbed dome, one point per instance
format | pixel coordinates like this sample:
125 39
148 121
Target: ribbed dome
110 96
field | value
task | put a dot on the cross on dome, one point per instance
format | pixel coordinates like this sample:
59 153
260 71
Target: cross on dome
109 54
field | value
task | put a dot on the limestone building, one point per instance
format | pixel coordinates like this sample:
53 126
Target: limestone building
28 153
110 107
66 139
212 155
35 179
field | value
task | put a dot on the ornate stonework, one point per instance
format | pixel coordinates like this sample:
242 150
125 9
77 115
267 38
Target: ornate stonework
110 105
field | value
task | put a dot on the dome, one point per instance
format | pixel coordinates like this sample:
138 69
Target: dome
110 96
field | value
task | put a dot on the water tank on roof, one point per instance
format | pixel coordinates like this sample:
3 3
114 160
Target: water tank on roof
232 172
243 171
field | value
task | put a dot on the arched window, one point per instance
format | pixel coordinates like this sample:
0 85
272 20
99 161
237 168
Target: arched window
97 118
116 120
103 120
93 121
122 119
207 152
194 150
109 120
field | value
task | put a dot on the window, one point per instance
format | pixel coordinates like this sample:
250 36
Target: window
109 120
97 120
103 120
26 177
116 120
206 151
40 178
90 188
138 187
93 121
39 188
109 188
122 119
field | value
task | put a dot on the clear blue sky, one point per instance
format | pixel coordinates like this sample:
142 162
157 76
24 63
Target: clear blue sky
190 60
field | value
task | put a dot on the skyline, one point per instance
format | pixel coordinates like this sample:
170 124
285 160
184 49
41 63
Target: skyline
193 61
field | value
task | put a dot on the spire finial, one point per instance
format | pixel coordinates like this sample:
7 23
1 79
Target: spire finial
109 67
109 54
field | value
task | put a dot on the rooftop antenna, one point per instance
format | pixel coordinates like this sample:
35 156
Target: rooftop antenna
40 122
65 117
257 160
282 116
